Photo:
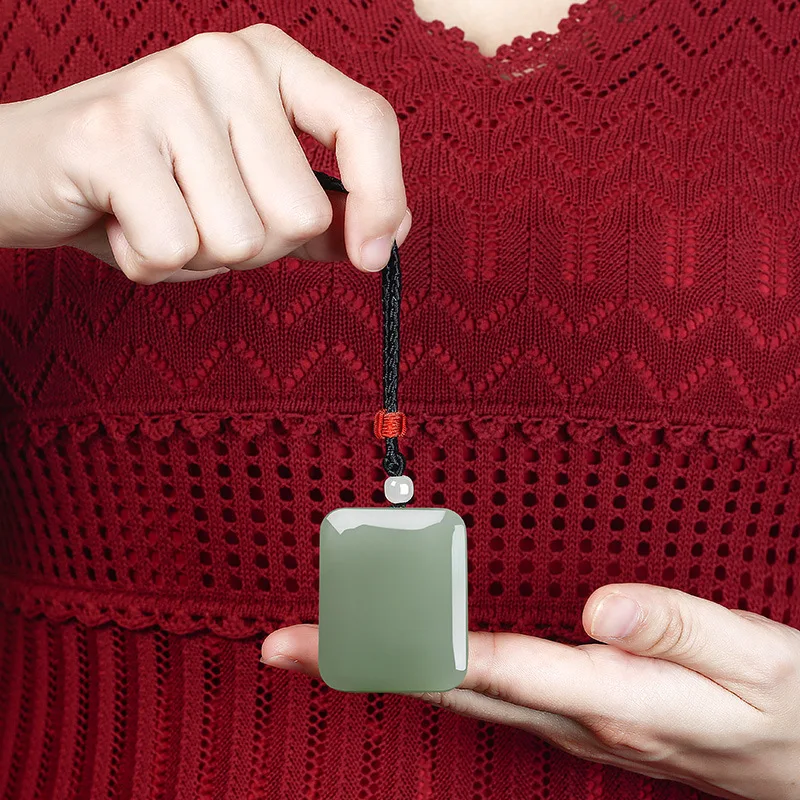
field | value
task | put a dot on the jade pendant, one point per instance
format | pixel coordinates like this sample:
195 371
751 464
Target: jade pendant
393 599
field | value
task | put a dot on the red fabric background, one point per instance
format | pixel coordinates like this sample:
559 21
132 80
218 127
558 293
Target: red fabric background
600 359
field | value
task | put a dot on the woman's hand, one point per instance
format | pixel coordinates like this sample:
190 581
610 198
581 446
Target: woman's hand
186 162
684 689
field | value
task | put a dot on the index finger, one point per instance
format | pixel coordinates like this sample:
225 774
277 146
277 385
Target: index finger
536 673
361 127
523 670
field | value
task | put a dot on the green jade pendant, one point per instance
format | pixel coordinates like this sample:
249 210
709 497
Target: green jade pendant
393 599
392 581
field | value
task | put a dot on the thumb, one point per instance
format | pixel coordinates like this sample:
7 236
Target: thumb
674 626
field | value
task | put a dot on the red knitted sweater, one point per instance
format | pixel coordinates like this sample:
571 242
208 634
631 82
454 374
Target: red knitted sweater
600 363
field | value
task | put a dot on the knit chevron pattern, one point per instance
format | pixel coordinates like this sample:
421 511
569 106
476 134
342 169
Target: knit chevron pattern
600 360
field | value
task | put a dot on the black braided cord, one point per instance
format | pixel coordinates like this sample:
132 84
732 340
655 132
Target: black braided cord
393 461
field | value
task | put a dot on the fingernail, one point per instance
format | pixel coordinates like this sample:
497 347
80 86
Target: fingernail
283 662
405 227
375 253
615 617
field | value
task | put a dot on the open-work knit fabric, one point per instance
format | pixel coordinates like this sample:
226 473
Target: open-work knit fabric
600 363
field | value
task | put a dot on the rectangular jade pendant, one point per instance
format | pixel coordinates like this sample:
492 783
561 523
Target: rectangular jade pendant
393 599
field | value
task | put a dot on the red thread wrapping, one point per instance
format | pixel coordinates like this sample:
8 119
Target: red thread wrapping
389 424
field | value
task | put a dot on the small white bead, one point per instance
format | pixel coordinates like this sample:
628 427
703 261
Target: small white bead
398 489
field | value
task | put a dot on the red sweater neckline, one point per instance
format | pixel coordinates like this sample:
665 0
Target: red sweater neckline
517 54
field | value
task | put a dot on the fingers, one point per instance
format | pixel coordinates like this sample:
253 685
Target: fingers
284 190
632 708
299 217
152 233
330 245
295 649
231 230
362 128
637 711
533 672
188 276
742 655
566 733
405 228
752 660
248 185
193 151
517 669
368 153
297 645
95 241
